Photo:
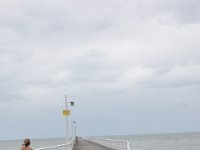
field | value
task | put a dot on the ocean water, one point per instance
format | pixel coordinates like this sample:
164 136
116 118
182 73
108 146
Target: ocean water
178 141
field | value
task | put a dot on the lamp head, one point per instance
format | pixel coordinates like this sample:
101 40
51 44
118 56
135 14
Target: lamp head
72 103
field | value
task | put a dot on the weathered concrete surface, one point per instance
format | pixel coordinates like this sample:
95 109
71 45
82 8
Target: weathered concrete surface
86 145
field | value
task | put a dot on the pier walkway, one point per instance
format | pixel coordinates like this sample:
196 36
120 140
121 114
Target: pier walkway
86 145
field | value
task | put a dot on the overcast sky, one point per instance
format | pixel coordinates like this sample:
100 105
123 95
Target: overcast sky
131 66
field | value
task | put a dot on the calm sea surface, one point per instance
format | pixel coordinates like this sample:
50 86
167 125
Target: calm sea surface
181 141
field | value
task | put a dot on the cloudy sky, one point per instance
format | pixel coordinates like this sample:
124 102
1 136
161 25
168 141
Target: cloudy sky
131 66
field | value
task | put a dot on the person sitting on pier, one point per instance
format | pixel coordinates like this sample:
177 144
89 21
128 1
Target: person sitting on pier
26 145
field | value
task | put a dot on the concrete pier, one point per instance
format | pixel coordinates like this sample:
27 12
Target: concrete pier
86 145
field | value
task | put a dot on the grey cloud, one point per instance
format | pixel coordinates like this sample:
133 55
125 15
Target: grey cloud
93 66
184 104
44 21
181 11
180 76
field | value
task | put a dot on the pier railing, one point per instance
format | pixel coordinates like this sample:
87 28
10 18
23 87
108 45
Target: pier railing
112 143
68 146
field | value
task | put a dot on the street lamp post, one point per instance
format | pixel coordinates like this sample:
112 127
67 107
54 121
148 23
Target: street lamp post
75 134
66 113
67 120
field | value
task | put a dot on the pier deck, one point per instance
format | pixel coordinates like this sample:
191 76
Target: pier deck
86 145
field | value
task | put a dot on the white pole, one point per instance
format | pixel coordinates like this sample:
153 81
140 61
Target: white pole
67 121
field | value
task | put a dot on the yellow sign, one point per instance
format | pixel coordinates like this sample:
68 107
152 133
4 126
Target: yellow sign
66 112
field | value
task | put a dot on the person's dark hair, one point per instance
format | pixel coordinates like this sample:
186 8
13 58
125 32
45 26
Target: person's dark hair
27 142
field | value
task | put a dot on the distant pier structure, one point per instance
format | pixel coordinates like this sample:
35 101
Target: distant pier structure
73 142
91 144
87 145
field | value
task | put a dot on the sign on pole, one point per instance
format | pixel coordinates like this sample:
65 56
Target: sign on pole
66 112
